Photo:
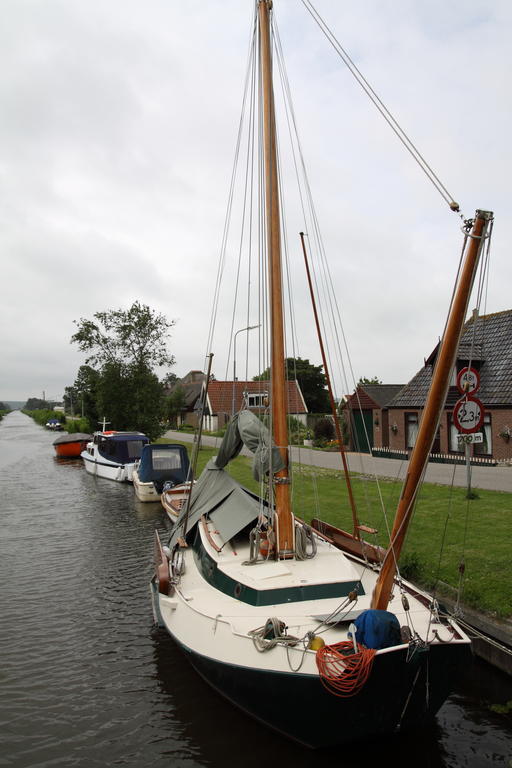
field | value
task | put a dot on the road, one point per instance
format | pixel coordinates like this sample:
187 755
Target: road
489 478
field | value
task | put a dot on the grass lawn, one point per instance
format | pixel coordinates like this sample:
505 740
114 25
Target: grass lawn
446 528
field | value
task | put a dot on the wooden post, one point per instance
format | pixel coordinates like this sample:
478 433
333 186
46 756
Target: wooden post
433 409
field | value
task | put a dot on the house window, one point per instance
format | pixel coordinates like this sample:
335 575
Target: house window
411 429
454 445
484 448
257 400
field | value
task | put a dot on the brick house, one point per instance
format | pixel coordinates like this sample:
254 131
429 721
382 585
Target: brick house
227 397
368 409
487 346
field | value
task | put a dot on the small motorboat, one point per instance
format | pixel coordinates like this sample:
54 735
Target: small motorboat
174 498
113 455
161 464
54 425
70 446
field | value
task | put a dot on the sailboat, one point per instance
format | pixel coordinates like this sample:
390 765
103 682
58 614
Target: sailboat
293 624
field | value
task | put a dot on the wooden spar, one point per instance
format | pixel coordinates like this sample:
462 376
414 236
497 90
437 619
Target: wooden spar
331 396
285 523
432 412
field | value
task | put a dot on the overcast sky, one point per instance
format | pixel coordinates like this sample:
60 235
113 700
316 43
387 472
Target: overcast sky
117 132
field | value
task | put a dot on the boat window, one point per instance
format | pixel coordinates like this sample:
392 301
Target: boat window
166 459
134 448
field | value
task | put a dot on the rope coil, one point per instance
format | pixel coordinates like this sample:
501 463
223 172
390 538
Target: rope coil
343 672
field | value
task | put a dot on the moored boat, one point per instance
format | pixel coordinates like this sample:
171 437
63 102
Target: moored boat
113 455
54 425
70 446
295 624
161 465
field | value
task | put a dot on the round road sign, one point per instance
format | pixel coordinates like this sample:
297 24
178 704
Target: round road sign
468 381
468 415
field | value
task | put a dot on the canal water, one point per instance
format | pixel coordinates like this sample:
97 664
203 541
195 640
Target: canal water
87 680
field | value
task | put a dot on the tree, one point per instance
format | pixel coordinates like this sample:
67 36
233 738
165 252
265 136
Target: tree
311 380
86 386
136 336
35 404
130 398
124 346
363 381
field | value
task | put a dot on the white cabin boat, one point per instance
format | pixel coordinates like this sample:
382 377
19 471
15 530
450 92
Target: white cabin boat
113 455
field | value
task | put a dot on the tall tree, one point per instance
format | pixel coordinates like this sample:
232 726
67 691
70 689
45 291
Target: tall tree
125 345
135 336
86 386
311 380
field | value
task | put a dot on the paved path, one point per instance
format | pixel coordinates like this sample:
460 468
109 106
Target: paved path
490 478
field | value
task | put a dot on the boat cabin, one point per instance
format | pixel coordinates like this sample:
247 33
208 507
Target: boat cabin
163 463
120 447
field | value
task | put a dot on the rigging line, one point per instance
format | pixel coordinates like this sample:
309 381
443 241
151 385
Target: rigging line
222 256
329 288
288 108
243 221
290 117
290 114
250 253
314 220
443 541
482 287
378 103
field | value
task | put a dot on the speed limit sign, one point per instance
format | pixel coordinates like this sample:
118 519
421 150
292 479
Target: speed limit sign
468 415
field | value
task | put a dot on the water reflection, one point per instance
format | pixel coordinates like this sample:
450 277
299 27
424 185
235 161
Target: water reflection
88 681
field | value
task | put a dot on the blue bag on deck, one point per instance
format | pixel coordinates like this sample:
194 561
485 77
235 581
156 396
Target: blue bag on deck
377 629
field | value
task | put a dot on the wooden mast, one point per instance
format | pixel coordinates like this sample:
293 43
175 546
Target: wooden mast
285 523
433 408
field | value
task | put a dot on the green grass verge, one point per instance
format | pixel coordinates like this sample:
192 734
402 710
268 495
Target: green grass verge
446 529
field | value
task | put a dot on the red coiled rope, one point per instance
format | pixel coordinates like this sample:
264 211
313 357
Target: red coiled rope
344 675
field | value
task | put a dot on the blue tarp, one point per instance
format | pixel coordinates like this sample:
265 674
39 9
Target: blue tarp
163 463
377 629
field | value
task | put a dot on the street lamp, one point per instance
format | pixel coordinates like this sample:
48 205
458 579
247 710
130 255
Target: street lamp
249 328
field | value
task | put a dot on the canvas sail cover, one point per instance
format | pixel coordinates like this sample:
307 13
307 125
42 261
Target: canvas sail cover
218 495
246 429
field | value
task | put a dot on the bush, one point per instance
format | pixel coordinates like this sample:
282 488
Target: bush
43 415
323 431
77 425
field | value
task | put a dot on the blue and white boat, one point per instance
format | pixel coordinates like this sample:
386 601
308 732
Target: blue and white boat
113 455
162 465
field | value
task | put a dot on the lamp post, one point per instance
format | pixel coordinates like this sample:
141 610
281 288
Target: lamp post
241 330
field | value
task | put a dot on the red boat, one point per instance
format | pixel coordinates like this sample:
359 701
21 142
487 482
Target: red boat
71 446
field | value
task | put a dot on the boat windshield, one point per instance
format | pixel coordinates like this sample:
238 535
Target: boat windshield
125 449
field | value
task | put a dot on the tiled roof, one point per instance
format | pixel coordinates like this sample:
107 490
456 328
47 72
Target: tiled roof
191 384
373 395
220 395
489 345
